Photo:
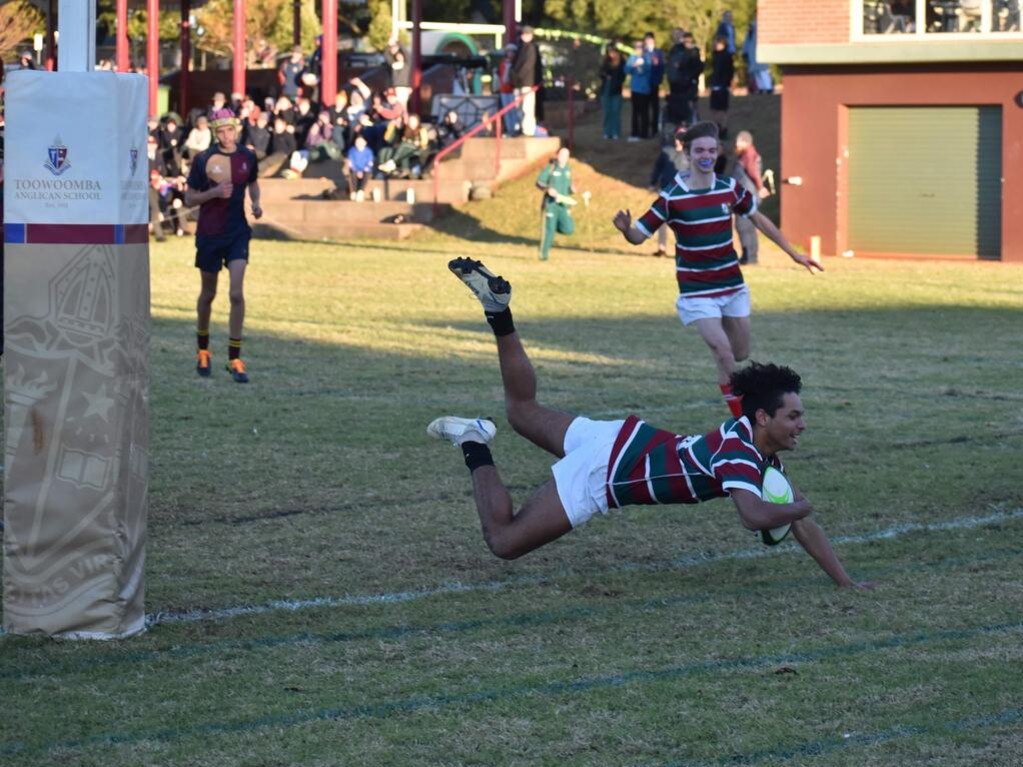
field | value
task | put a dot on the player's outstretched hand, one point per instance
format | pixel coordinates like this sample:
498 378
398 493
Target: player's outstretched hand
809 263
863 585
623 221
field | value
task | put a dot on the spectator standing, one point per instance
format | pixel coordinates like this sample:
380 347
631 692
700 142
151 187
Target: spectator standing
401 70
360 168
684 68
748 171
758 76
638 69
290 72
556 183
526 73
506 90
612 78
670 162
722 74
657 65
726 29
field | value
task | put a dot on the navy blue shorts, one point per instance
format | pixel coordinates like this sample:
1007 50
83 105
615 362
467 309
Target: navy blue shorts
212 252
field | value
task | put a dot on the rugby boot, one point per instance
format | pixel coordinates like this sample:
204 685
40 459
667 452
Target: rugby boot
493 291
237 370
202 362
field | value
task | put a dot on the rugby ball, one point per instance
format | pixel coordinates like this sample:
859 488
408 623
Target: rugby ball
775 489
218 169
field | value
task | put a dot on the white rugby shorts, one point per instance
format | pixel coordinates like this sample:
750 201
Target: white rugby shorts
693 308
581 476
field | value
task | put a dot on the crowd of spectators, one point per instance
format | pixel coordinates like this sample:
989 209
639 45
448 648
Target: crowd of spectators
648 69
370 133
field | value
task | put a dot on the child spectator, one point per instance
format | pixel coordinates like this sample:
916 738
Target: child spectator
360 168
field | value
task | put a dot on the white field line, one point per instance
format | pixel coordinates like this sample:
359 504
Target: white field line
456 587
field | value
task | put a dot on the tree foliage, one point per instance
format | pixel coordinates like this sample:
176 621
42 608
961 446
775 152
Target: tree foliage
268 28
629 20
19 21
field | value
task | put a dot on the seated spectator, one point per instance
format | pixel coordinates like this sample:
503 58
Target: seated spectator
450 129
388 107
408 148
257 137
320 142
171 201
199 138
282 146
285 109
218 102
170 143
360 168
357 100
304 119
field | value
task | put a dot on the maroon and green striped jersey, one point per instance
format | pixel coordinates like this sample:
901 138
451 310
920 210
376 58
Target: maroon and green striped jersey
705 260
650 465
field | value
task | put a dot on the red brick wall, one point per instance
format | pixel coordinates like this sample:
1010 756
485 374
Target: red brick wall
802 21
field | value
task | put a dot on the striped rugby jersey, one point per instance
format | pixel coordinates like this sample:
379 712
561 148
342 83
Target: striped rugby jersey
649 465
705 260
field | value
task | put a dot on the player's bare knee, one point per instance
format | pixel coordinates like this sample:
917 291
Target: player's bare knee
500 545
237 298
740 355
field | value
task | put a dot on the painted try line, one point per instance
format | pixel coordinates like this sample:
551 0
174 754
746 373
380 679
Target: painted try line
582 685
855 740
515 621
226 613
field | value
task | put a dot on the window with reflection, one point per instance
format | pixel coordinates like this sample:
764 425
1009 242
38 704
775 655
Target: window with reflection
894 17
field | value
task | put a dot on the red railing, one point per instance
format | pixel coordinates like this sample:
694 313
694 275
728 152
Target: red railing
484 124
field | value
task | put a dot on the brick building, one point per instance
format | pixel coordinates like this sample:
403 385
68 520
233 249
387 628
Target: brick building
902 124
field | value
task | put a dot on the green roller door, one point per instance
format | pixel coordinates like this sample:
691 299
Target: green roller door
925 180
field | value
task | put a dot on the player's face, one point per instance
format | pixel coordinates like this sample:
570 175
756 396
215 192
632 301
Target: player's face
703 153
563 156
782 430
226 136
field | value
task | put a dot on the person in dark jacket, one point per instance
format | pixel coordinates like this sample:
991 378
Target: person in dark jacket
527 71
722 74
612 77
684 68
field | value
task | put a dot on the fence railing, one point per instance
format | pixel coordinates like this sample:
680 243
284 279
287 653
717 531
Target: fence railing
497 119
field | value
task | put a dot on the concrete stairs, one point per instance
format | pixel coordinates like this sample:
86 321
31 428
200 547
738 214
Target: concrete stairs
296 208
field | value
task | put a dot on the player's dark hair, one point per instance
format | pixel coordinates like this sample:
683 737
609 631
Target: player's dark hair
700 130
763 386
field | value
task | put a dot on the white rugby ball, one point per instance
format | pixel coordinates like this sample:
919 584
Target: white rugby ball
776 489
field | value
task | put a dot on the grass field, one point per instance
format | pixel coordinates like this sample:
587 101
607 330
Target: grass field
321 594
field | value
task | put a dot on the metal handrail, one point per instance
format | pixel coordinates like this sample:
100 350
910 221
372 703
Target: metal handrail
484 123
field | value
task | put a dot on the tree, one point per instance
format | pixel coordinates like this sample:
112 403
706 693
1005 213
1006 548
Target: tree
19 21
268 28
